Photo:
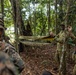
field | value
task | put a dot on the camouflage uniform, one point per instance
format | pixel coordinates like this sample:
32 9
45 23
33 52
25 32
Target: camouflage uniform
60 38
14 56
62 41
70 42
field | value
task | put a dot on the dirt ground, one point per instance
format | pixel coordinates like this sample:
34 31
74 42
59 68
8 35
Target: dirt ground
37 59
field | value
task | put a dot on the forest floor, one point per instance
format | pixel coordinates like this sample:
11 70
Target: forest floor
38 59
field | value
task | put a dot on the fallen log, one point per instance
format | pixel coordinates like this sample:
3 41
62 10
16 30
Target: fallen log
29 43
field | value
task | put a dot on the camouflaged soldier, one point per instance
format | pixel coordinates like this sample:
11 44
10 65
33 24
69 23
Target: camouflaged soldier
64 35
6 65
10 50
60 39
70 41
61 51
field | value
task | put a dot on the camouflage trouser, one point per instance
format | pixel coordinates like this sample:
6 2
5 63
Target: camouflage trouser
69 50
58 56
69 54
62 67
61 62
74 70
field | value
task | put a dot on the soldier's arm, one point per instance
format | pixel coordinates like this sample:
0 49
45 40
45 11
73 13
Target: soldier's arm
72 35
15 57
60 40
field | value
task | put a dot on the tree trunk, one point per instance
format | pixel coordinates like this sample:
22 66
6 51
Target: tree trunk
17 16
2 8
61 11
60 15
56 27
34 12
18 22
30 14
2 12
67 12
48 15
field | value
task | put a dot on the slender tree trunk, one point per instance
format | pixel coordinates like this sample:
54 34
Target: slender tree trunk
56 27
61 11
13 3
34 19
17 16
18 22
43 26
67 12
48 15
30 14
60 15
2 12
2 9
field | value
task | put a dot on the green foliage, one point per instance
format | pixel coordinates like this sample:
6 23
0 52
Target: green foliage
8 20
35 11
